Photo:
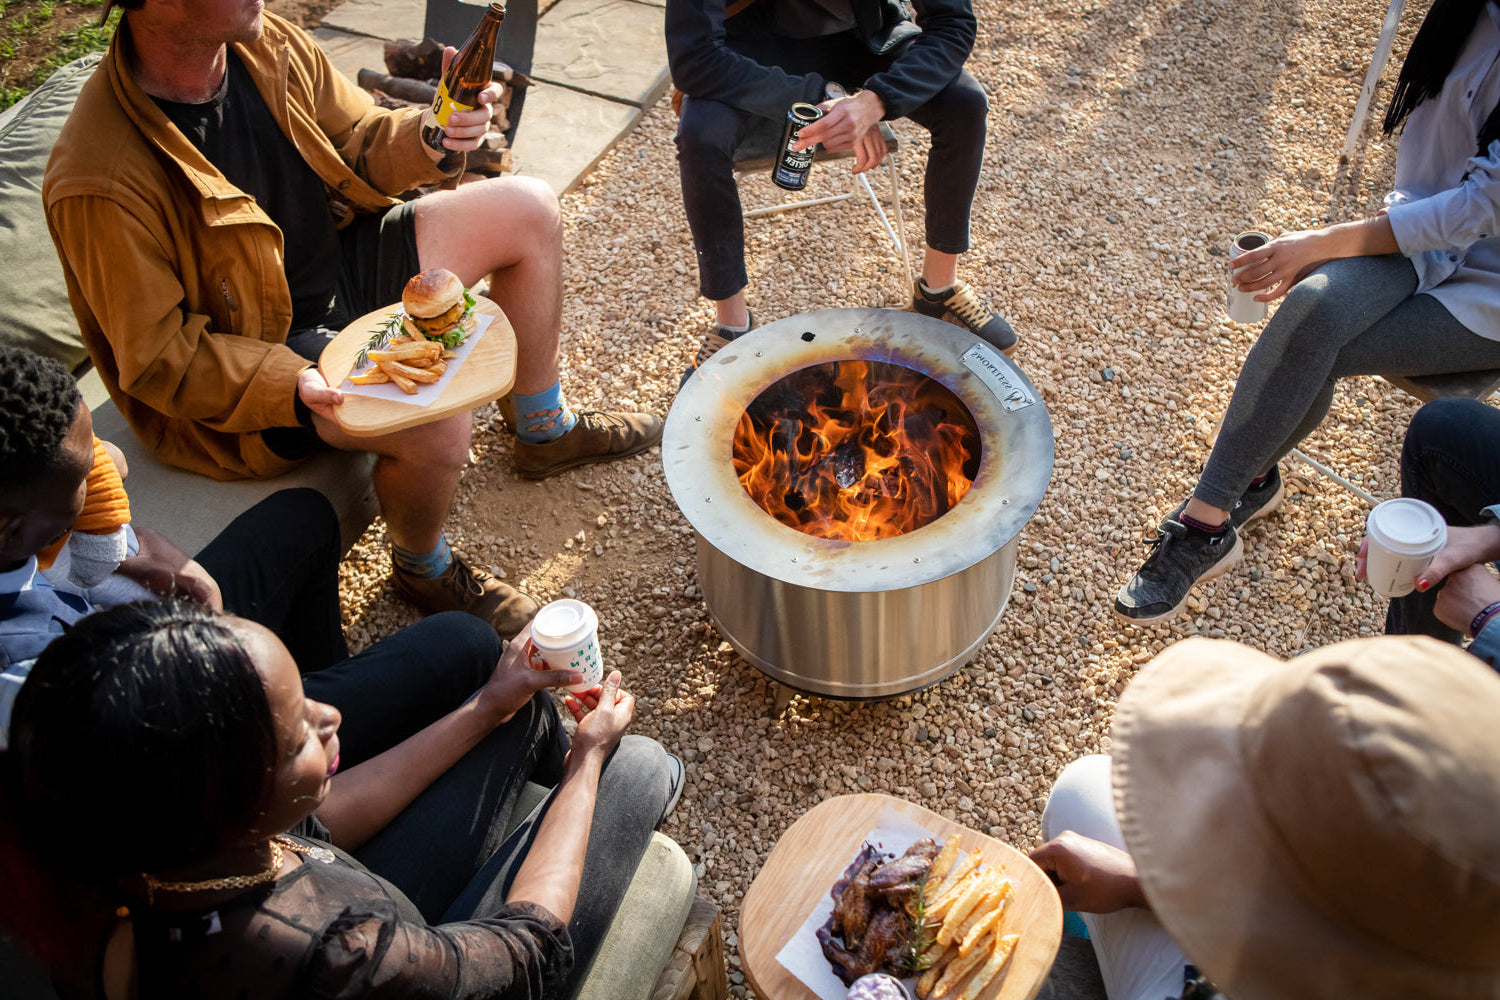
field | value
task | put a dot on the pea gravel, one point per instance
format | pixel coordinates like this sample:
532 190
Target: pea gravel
1128 142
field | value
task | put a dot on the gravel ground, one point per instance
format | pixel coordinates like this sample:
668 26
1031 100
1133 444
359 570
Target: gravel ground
1128 142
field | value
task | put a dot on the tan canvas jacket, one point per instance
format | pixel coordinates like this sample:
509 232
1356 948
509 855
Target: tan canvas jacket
176 276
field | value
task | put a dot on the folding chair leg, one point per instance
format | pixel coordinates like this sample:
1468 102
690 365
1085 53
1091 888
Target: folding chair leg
892 165
1322 469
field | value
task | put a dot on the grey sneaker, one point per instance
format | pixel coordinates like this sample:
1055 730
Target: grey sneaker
1183 556
962 306
679 778
712 341
1257 502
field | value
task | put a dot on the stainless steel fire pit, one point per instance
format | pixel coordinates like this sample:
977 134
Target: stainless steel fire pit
858 619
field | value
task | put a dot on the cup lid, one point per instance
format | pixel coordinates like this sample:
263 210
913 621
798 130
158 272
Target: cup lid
1406 522
562 623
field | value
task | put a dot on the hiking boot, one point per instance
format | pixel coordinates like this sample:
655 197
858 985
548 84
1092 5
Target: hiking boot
1183 556
596 437
960 305
462 587
712 341
1257 502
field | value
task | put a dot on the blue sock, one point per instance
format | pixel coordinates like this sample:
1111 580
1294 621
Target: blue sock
543 416
426 565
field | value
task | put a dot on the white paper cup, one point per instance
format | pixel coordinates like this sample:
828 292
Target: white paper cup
566 633
1241 306
1404 535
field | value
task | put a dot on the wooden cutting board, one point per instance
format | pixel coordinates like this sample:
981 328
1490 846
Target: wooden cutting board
816 849
486 374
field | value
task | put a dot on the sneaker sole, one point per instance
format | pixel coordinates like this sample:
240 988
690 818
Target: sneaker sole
1218 569
575 463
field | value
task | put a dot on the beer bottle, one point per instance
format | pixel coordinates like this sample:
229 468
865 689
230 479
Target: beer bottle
469 73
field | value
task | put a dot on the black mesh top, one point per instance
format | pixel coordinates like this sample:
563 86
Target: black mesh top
334 929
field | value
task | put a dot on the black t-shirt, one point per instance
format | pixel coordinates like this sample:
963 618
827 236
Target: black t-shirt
235 131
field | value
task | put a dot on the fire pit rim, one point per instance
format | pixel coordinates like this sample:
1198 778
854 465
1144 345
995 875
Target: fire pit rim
702 420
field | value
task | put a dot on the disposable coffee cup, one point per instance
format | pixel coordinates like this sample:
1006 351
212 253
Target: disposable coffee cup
566 633
1241 306
1404 535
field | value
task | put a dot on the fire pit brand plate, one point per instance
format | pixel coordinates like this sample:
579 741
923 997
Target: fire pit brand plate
985 362
858 619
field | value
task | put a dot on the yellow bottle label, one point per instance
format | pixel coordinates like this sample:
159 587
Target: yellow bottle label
443 105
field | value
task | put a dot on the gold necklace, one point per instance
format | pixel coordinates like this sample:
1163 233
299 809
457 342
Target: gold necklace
155 885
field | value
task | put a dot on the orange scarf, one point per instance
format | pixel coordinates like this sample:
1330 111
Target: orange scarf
106 508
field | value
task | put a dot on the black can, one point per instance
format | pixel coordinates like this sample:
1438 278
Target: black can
792 166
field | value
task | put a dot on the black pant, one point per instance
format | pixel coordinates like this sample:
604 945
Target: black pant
1451 459
277 564
710 132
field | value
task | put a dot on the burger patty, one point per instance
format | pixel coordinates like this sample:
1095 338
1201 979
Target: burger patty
441 322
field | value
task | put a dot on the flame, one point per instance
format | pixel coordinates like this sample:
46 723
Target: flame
856 450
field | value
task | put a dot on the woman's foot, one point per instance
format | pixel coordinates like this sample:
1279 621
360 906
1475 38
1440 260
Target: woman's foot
1184 555
1259 500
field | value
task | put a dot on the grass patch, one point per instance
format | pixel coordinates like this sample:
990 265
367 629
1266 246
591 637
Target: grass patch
32 21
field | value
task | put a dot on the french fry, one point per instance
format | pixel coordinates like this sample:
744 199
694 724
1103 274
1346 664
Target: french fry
940 866
408 350
1000 953
929 978
989 919
406 385
958 970
957 874
394 368
375 375
988 902
438 367
961 910
951 893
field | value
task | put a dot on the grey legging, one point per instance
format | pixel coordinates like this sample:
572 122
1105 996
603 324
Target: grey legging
1356 316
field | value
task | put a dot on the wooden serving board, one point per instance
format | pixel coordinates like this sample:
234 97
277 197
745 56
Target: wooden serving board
486 374
816 849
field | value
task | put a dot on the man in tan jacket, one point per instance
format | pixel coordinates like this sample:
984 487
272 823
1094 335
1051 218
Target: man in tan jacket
223 199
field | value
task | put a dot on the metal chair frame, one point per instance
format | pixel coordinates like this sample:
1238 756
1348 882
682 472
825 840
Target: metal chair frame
896 233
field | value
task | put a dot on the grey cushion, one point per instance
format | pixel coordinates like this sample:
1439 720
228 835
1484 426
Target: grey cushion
648 923
35 301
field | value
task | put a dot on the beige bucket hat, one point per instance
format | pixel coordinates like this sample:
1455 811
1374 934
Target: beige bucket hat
1322 829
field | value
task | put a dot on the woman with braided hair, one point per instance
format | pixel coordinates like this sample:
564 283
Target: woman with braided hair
1412 290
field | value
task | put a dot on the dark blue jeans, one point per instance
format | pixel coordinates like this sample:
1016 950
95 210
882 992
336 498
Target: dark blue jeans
710 132
1451 459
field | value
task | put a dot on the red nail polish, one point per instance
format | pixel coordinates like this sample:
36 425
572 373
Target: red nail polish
1423 585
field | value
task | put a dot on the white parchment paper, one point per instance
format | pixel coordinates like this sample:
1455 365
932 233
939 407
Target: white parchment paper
427 392
802 956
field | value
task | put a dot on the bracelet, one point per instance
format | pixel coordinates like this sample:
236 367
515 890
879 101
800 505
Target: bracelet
1483 618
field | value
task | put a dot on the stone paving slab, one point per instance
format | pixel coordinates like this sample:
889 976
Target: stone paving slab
564 133
393 19
351 53
613 48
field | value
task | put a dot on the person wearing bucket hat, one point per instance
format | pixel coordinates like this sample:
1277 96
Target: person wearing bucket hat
1319 829
1412 289
1449 459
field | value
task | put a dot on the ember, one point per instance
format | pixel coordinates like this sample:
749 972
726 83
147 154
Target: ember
856 450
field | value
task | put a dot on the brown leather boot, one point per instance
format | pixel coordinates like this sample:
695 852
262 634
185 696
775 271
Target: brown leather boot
596 437
465 588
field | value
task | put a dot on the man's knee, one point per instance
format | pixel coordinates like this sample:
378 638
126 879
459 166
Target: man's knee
442 443
706 135
1443 424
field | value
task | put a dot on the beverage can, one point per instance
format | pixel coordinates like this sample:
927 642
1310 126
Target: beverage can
793 166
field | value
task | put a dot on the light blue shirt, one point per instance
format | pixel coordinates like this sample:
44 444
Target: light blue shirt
1445 210
1486 644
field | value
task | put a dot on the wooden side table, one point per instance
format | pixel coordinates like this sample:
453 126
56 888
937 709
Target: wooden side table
816 849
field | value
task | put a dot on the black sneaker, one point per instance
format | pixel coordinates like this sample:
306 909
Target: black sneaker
1257 502
679 778
712 341
961 306
1183 557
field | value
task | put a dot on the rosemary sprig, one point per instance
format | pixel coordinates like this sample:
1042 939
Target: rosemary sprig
922 937
380 338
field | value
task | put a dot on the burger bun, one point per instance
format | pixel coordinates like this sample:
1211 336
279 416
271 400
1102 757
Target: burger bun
431 293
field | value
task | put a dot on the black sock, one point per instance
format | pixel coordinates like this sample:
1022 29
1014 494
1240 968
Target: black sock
1207 529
